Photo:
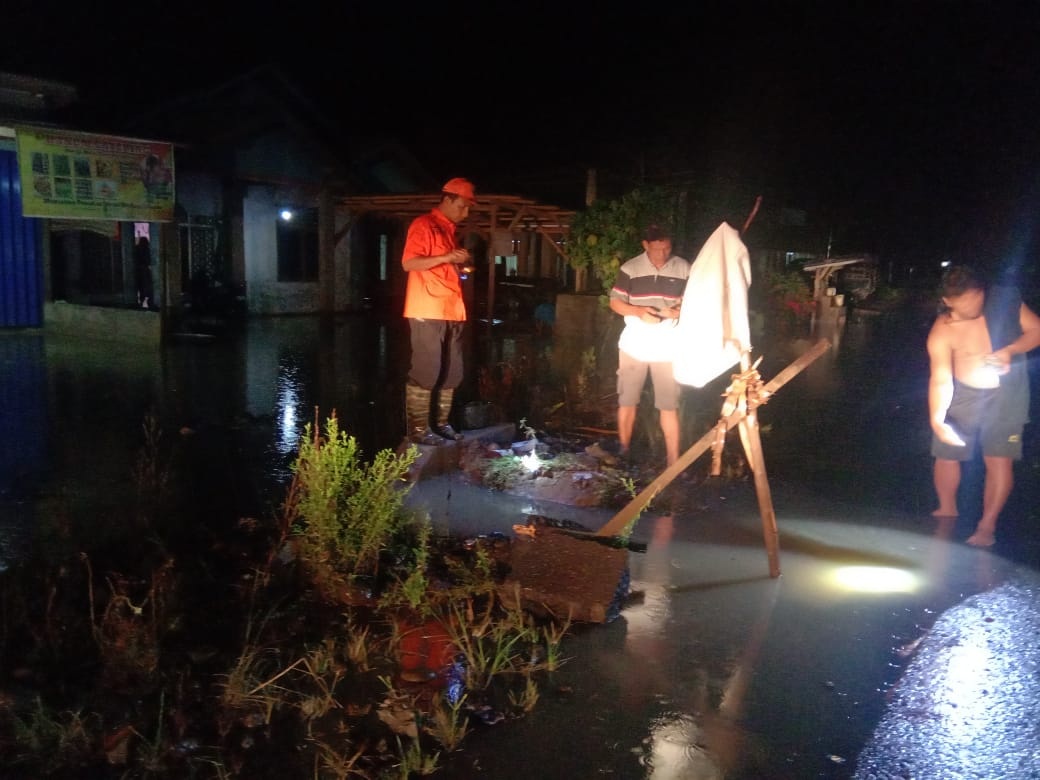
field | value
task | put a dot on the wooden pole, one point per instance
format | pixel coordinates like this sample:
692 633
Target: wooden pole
491 271
752 441
751 216
632 510
590 187
326 252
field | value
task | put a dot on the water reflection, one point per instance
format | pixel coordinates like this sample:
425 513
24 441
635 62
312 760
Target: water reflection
718 671
647 622
288 400
676 751
23 410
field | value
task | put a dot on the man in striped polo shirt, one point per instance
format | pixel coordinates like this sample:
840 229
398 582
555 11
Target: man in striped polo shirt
648 293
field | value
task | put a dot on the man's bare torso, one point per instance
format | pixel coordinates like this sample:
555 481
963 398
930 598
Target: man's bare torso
969 344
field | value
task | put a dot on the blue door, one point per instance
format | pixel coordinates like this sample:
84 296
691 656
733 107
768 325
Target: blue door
21 262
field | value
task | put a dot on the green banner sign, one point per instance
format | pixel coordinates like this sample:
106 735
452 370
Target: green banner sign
72 175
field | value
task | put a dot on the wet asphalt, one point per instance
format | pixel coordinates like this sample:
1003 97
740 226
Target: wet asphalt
886 648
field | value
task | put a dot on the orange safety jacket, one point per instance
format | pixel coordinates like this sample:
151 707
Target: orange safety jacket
436 293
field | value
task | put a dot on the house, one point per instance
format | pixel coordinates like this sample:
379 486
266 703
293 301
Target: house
260 169
267 208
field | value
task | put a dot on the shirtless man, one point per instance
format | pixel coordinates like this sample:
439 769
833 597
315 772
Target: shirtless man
978 393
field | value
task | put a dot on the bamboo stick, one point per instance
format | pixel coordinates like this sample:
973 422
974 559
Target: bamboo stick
749 436
631 511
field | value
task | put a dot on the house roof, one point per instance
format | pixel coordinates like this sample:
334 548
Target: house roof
264 102
823 269
493 213
836 262
28 97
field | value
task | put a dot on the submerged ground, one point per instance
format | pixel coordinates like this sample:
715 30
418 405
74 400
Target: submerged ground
883 650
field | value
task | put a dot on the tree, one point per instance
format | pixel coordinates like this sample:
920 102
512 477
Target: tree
610 232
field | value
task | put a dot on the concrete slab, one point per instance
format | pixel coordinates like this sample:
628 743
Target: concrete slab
444 458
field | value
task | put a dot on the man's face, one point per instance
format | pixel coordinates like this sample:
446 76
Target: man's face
456 209
658 251
966 306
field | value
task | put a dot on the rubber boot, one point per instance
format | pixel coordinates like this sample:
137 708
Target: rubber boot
443 427
417 411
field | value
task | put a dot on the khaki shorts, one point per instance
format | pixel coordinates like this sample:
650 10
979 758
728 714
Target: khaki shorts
631 376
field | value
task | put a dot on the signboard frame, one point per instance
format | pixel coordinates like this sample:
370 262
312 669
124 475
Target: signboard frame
68 174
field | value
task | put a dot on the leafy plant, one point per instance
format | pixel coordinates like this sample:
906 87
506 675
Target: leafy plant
348 511
150 471
412 589
489 644
553 634
526 699
339 764
447 723
790 301
414 761
357 650
609 232
52 737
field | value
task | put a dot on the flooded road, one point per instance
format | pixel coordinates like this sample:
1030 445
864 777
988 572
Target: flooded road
714 669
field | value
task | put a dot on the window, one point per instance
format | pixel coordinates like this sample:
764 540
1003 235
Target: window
298 245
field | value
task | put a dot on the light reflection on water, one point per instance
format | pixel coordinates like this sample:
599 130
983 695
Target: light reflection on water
289 392
676 751
71 411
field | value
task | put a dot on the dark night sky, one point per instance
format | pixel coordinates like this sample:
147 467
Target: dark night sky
911 128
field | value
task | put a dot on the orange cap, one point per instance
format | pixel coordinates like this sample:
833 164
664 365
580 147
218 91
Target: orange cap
461 187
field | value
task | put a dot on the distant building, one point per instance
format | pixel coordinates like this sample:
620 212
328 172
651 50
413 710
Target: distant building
267 208
22 250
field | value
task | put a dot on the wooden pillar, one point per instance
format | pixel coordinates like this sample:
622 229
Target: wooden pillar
169 264
523 257
581 275
346 296
547 258
169 272
326 252
590 186
491 268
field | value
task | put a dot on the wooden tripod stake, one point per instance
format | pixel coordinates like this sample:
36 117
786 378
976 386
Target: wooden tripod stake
743 397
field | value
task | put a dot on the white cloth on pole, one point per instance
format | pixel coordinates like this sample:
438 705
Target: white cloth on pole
713 330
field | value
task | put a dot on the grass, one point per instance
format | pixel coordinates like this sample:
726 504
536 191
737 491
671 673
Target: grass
301 667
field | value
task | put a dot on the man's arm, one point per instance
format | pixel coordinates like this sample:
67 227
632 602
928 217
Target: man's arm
1029 340
940 384
626 309
418 244
455 256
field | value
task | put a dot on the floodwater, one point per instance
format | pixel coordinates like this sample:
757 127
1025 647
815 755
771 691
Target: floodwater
886 648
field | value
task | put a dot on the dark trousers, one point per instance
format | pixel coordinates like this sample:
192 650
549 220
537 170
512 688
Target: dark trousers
436 354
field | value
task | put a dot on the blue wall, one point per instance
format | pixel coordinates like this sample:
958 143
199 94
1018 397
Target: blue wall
21 261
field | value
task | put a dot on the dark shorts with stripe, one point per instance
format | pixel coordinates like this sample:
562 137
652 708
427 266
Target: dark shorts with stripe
975 415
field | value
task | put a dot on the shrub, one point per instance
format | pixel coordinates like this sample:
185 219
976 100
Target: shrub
348 511
790 303
610 232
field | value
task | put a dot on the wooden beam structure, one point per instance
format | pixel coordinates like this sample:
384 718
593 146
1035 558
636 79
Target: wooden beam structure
509 213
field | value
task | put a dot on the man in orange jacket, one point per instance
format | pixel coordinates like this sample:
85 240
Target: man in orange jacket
436 313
